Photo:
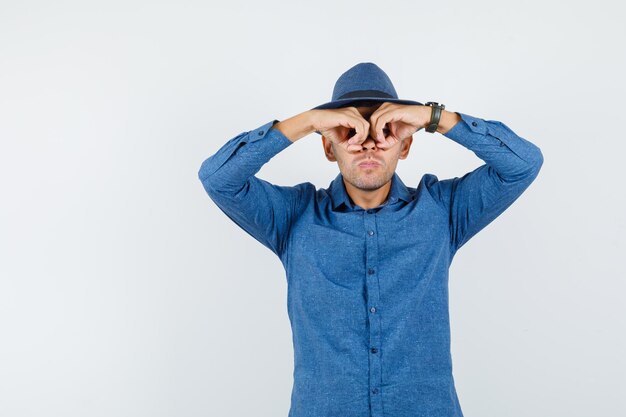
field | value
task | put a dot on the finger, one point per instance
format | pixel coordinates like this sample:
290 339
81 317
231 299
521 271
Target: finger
385 144
382 108
349 128
365 131
353 147
375 119
353 133
361 130
379 125
348 146
393 129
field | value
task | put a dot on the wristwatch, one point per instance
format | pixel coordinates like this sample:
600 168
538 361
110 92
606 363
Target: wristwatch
435 115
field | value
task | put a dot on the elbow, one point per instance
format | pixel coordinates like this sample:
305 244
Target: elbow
207 173
205 177
209 183
205 170
206 182
214 190
524 172
536 162
216 184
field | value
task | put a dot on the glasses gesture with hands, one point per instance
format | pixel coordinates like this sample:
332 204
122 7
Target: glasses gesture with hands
387 125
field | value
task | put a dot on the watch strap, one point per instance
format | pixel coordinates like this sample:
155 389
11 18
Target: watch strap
435 115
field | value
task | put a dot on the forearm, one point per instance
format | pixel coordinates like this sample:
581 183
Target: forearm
296 127
447 121
510 155
264 210
241 157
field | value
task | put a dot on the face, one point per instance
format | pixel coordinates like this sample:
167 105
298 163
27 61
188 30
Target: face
367 177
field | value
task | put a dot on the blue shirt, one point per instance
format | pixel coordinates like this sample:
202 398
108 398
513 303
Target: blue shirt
368 289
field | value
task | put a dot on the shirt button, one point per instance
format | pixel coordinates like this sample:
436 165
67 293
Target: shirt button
260 132
374 390
370 271
374 350
373 309
370 211
370 232
474 124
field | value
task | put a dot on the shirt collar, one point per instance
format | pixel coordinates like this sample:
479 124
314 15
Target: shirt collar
339 195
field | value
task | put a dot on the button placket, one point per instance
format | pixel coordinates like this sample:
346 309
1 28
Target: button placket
373 295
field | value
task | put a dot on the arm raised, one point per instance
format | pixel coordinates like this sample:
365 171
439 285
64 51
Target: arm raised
474 200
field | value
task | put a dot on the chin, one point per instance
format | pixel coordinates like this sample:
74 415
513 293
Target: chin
369 182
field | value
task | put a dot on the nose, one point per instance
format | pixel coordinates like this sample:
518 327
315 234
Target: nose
369 143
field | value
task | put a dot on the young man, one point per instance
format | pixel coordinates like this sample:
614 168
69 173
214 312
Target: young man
367 259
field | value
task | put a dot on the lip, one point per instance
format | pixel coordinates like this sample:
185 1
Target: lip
369 164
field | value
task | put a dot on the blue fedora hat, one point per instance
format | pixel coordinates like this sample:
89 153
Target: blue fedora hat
364 84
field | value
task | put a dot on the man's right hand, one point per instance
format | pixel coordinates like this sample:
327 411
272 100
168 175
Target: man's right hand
340 125
337 125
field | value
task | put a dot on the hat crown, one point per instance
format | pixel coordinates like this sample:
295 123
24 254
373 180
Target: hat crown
361 80
366 84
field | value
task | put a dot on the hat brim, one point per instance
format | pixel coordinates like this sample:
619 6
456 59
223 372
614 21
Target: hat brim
362 101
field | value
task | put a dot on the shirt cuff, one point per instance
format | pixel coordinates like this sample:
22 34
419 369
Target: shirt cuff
474 132
266 132
267 143
466 127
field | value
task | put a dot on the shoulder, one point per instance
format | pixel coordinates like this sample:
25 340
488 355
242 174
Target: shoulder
439 190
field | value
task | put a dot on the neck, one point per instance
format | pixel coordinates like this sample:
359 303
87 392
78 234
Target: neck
367 199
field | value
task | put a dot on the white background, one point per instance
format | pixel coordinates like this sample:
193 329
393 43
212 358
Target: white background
124 291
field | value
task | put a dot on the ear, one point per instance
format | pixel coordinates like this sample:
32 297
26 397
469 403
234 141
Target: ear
328 149
406 145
